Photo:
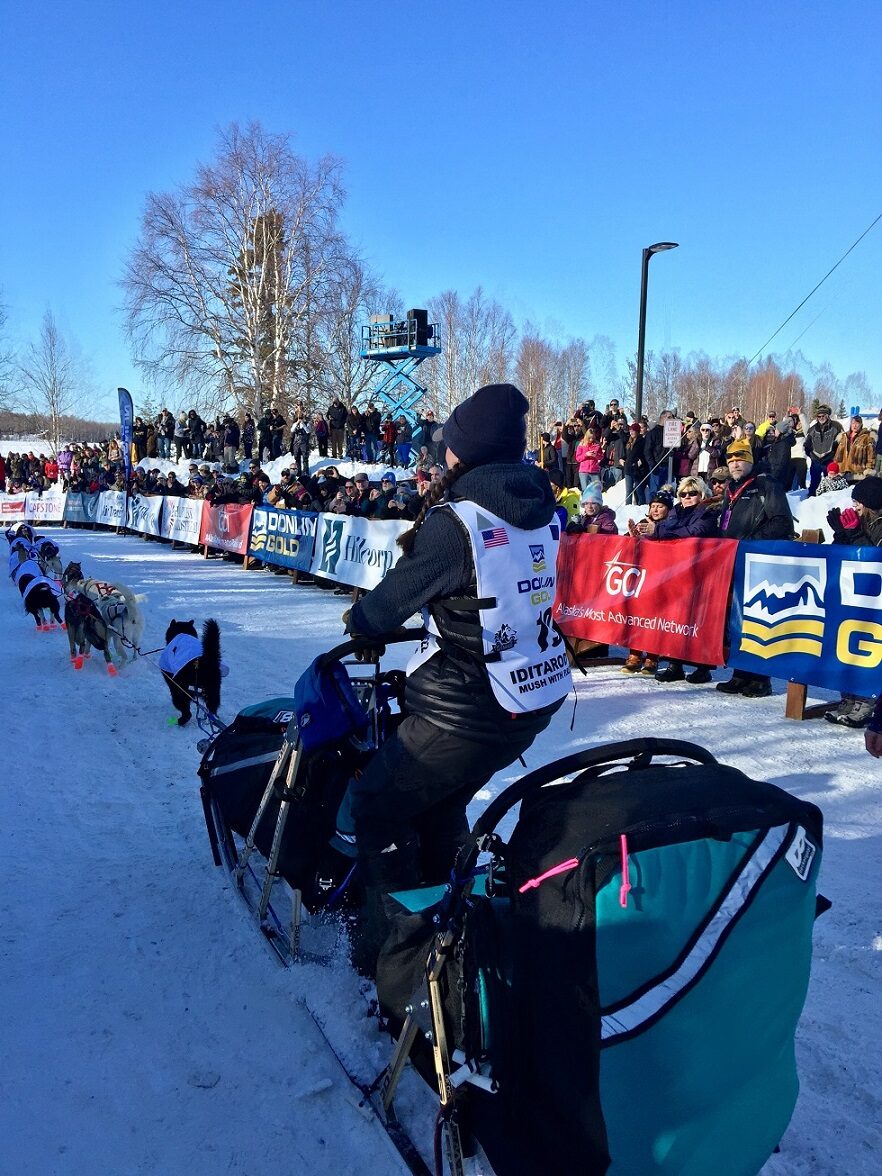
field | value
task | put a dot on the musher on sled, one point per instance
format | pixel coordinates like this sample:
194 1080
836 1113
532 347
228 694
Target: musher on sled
479 564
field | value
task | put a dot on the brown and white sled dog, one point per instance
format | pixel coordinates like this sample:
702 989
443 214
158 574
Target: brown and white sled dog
118 606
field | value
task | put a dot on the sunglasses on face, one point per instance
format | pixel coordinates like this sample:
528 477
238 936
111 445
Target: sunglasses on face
688 494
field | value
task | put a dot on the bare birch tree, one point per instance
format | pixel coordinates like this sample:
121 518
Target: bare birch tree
228 283
7 362
534 375
477 347
51 378
354 296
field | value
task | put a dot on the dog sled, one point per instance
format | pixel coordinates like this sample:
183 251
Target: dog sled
618 987
273 789
615 986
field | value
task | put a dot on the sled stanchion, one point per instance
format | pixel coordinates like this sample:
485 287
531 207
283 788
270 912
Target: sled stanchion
248 848
272 865
395 1069
441 1055
210 825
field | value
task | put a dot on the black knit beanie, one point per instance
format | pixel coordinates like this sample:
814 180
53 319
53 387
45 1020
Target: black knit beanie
491 426
868 492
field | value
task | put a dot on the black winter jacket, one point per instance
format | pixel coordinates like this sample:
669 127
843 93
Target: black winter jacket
759 510
452 689
777 454
690 522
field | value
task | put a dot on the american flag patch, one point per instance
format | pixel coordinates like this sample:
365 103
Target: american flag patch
495 537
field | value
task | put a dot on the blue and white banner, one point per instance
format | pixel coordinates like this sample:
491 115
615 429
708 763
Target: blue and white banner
111 509
285 538
810 614
355 551
143 514
81 508
181 519
126 421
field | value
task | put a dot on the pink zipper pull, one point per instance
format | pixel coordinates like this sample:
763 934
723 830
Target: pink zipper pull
625 889
560 868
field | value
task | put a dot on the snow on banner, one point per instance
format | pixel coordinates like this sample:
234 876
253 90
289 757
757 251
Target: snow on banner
809 613
285 538
355 551
667 598
226 526
143 515
181 519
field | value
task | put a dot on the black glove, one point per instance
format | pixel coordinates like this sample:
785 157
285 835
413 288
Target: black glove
834 518
370 654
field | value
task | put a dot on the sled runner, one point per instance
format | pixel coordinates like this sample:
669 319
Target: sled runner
273 788
619 989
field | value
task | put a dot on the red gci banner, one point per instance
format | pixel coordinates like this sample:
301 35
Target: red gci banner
666 597
226 526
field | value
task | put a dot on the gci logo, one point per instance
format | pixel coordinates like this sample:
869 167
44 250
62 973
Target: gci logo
623 579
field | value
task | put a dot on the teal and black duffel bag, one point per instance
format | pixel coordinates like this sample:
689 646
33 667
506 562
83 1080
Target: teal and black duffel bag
628 991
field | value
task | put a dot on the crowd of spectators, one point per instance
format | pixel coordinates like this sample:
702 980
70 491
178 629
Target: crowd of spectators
216 450
604 447
727 477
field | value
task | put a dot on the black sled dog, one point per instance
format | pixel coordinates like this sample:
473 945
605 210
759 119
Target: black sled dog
40 598
192 667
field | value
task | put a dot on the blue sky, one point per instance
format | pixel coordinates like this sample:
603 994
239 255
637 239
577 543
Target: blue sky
530 148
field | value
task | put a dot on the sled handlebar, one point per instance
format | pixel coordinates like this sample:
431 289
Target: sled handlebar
357 644
638 750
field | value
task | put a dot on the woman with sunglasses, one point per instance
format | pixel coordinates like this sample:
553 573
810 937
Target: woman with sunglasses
692 518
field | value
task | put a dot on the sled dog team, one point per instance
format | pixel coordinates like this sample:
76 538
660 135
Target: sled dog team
107 617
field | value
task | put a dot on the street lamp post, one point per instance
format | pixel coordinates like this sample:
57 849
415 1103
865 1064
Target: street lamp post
658 247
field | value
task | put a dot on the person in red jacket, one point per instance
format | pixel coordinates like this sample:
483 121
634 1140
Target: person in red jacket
50 469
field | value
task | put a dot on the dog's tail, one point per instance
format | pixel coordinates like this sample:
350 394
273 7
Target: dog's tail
210 666
133 624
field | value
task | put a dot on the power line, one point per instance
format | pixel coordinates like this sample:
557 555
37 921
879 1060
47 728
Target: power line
819 285
808 328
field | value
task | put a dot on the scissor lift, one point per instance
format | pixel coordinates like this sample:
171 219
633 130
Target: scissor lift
400 346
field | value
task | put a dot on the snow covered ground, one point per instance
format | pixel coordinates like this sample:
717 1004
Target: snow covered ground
146 1028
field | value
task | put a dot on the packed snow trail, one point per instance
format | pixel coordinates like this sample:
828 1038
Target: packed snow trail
146 1026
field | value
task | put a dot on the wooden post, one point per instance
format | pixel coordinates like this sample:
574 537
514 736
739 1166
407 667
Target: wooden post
794 706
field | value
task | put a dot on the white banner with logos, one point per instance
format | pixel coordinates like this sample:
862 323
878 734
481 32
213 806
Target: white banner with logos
12 508
181 519
144 514
355 551
111 509
47 507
